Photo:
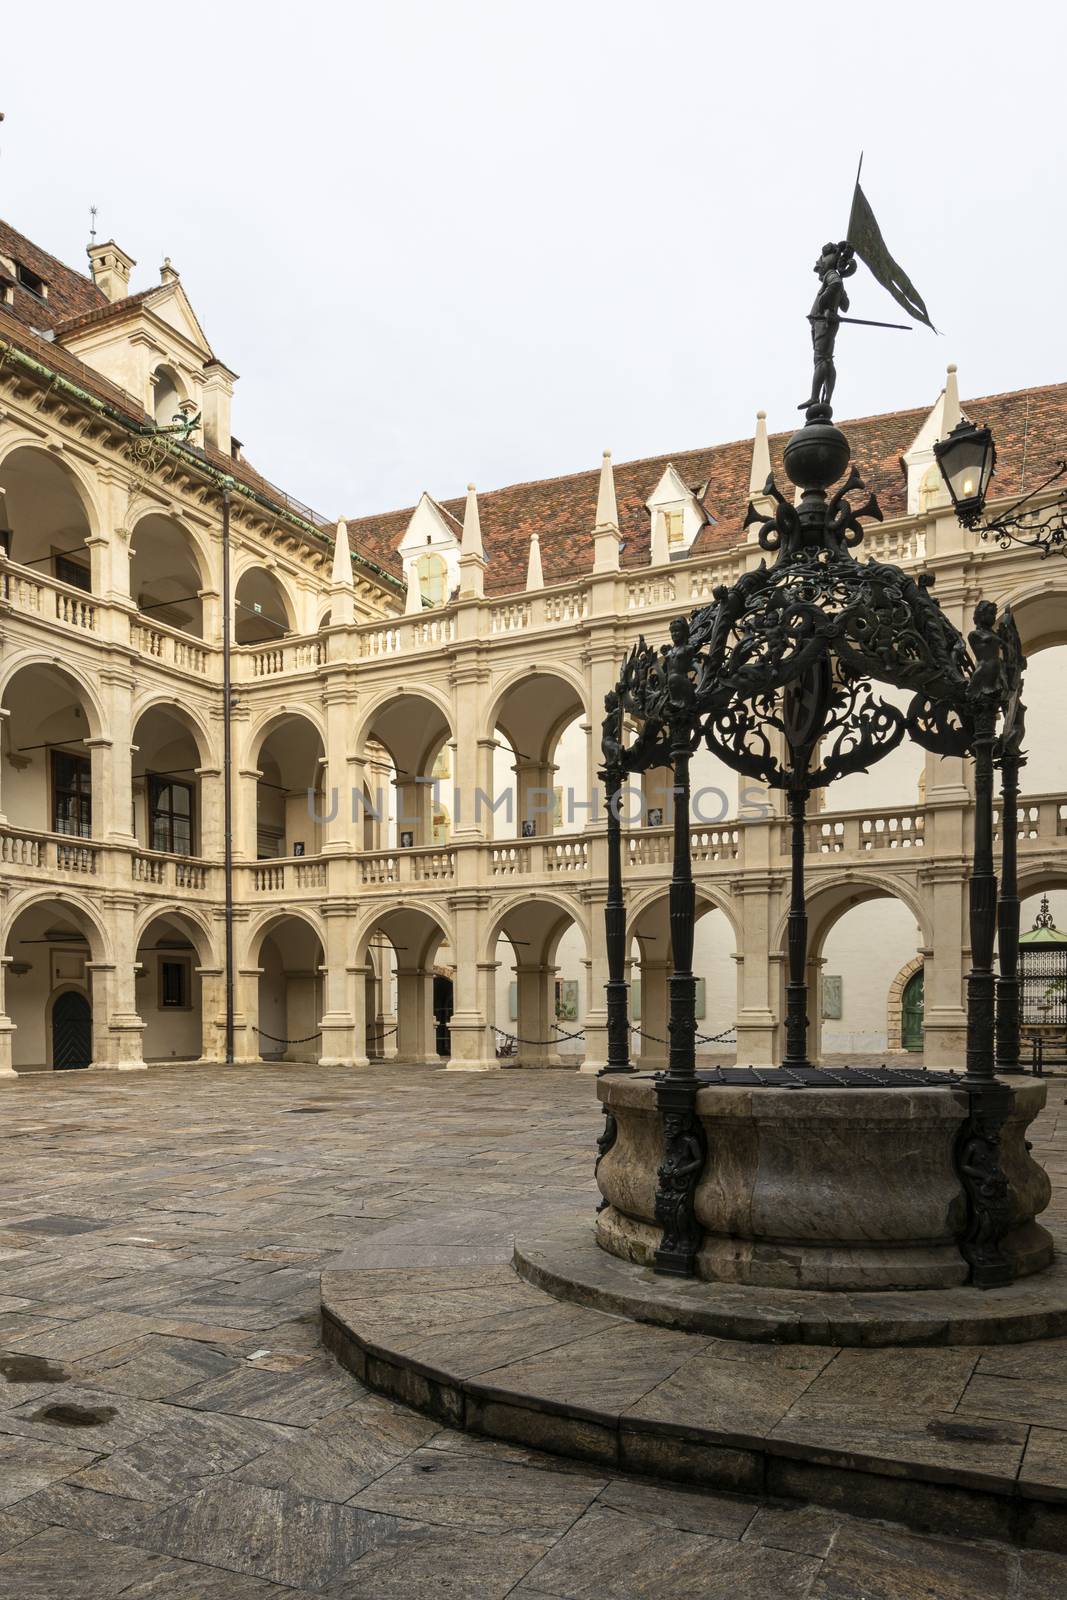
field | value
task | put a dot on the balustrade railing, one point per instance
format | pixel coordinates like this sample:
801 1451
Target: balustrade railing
169 646
43 597
273 660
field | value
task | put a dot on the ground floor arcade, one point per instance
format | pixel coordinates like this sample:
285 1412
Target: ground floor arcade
117 981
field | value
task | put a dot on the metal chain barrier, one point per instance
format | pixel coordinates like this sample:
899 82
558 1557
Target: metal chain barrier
701 1038
517 1038
273 1037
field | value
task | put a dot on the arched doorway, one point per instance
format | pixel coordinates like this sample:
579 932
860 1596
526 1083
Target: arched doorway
442 1012
72 1031
912 1012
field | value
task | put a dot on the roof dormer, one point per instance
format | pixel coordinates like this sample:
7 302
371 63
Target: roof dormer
152 345
926 486
430 551
677 517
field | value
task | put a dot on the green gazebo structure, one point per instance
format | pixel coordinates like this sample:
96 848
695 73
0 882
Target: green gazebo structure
1043 985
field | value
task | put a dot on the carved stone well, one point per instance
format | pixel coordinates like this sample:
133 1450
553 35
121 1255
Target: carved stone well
821 1188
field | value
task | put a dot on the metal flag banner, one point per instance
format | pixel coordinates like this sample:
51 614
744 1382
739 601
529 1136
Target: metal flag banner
865 236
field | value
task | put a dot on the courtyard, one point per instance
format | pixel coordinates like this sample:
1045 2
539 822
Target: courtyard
172 1426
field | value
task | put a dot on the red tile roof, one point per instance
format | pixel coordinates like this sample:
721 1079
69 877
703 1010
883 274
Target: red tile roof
70 293
111 311
1030 427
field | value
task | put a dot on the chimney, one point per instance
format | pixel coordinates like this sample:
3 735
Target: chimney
110 268
215 405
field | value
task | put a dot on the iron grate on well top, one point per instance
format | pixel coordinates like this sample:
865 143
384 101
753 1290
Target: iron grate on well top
828 1077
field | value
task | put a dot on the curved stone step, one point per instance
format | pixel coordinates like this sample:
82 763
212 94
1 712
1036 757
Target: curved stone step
949 1438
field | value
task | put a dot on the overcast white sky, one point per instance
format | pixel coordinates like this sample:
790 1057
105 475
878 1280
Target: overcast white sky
487 240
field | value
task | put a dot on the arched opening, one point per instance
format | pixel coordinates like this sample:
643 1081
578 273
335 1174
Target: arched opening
540 993
862 939
407 775
290 765
49 987
47 777
405 954
43 519
165 576
169 989
651 966
1045 772
262 614
289 997
540 769
166 397
167 815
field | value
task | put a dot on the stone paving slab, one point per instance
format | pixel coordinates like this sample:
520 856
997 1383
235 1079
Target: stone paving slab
241 1463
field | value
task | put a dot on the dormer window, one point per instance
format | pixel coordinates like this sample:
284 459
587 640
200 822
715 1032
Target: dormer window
30 281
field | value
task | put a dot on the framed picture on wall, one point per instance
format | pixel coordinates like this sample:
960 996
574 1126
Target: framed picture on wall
513 1002
701 999
298 847
655 816
407 840
567 1000
529 830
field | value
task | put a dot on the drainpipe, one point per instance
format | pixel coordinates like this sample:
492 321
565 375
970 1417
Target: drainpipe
227 768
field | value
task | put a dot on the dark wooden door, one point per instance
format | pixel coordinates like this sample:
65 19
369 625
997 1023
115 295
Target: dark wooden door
912 1012
442 1011
72 1031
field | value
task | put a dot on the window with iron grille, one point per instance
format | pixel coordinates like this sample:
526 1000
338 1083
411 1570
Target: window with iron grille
72 794
170 816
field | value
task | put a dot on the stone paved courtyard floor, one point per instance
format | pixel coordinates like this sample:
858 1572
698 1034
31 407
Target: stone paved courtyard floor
170 1426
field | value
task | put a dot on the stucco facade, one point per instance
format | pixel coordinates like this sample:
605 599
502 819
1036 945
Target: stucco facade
356 878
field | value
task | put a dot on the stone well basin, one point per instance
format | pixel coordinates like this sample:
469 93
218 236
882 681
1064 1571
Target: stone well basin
821 1188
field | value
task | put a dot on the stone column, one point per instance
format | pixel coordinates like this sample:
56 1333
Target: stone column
342 825
113 762
471 1042
7 1027
211 820
118 1031
344 1027
536 982
652 1056
945 1018
301 1015
596 974
759 968
414 1006
212 1013
534 795
246 1040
